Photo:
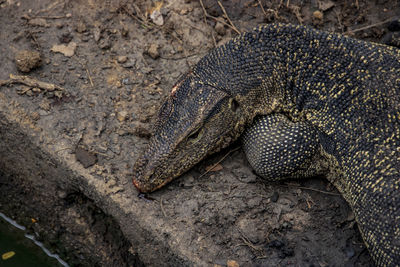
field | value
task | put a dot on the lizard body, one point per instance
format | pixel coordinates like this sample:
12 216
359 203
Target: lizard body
308 102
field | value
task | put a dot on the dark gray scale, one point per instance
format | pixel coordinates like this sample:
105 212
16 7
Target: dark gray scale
278 148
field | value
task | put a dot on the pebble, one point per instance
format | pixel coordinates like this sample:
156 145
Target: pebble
86 158
325 5
80 27
157 17
65 38
153 51
122 59
121 116
318 15
105 44
232 263
129 64
35 116
220 28
274 197
394 25
349 252
39 22
45 105
96 34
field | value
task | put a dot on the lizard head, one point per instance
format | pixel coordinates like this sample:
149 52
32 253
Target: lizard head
196 120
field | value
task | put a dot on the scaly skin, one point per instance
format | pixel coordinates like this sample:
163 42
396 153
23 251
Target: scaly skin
346 90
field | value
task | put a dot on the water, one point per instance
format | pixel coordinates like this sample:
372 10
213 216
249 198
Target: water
28 251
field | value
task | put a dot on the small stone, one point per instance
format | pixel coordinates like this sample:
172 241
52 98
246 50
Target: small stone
59 25
157 17
65 38
394 25
62 194
392 39
80 27
29 93
86 158
220 28
96 34
274 197
142 132
219 262
350 217
153 51
124 32
276 243
105 44
349 251
35 116
27 60
121 116
232 263
179 48
188 182
38 22
36 90
318 15
129 64
325 5
45 105
184 11
122 59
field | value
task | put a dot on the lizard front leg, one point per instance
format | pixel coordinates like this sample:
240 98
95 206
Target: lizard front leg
278 148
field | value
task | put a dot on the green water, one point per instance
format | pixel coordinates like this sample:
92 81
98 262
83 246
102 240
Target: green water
27 253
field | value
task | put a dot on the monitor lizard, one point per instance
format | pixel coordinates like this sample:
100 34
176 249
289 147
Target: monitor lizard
305 102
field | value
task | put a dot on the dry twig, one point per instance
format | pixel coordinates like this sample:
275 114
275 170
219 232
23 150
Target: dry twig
179 57
52 17
227 17
217 19
262 8
49 8
248 243
296 10
31 82
162 207
205 21
313 189
269 10
90 77
370 26
34 40
142 21
204 11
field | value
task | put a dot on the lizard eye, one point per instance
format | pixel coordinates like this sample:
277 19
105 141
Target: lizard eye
234 105
195 135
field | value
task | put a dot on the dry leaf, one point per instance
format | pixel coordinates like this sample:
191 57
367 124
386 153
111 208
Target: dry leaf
215 168
67 50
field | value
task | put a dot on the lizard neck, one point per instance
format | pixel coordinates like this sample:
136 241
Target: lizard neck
255 69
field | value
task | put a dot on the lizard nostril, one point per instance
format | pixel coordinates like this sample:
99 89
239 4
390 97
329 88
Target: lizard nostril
234 105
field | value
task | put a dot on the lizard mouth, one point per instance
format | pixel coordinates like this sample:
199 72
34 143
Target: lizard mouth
139 186
149 187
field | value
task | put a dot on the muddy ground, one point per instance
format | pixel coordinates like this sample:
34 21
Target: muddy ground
113 62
